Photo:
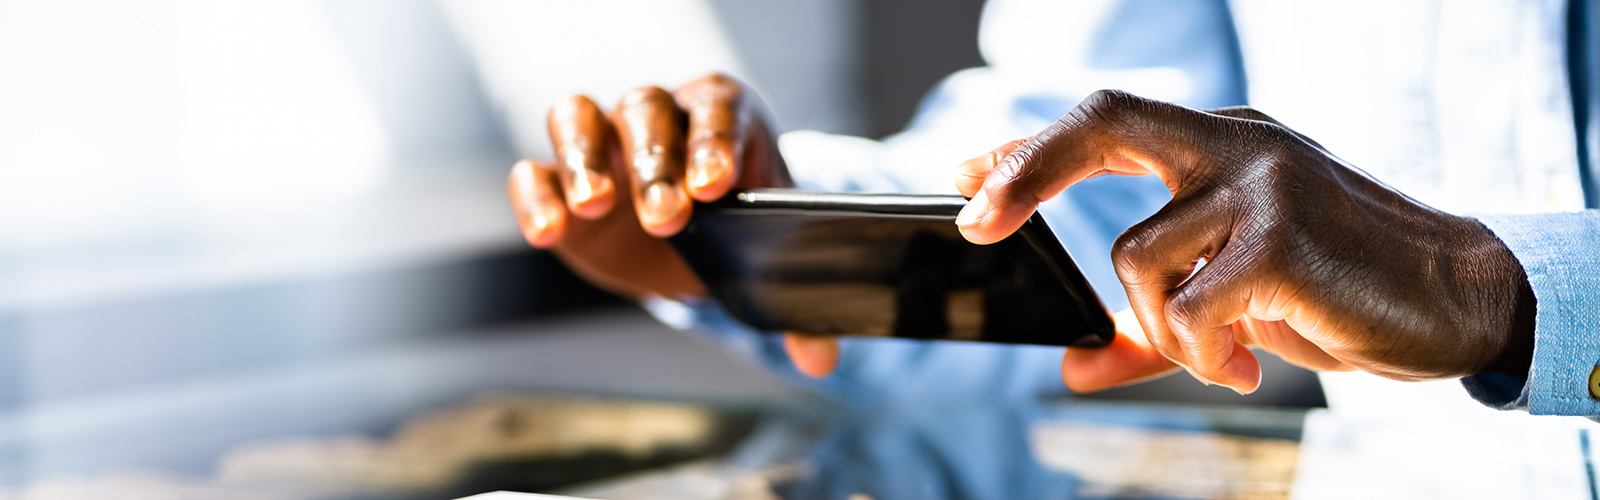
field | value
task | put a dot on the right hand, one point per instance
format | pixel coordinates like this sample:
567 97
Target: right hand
1305 255
661 150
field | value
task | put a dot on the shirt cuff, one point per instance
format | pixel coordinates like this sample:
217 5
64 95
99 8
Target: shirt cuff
706 319
1561 255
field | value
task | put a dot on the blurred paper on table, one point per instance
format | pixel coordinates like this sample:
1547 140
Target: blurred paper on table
531 438
1508 455
1122 462
507 495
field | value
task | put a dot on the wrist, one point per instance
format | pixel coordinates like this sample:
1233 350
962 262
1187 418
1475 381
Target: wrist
1515 307
1516 356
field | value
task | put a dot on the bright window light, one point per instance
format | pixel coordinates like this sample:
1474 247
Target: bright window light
268 108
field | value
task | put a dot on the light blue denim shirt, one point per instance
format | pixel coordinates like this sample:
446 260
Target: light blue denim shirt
1561 255
1560 252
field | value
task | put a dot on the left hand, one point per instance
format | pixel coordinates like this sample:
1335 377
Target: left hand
624 180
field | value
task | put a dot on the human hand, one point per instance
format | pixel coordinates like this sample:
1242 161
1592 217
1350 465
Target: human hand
1304 255
662 151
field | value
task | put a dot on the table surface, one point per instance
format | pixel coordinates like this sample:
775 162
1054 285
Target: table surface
479 412
1090 449
1062 449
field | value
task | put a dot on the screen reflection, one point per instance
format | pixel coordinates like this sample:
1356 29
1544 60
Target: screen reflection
887 265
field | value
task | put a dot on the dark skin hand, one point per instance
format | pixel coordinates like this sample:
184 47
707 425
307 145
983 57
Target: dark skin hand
1305 256
662 150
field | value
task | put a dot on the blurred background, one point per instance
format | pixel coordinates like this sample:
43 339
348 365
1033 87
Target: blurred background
226 221
224 225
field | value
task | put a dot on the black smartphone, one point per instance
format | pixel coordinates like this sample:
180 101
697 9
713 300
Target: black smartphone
887 265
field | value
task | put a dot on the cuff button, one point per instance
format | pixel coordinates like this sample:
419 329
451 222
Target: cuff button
1594 382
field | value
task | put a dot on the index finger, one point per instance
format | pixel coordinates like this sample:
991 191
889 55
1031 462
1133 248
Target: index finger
716 134
1201 315
1130 358
970 174
1110 132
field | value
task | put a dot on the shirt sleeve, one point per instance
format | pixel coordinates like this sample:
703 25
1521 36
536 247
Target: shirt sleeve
1561 254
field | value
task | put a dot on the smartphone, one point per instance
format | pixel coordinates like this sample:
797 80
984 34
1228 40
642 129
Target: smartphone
890 265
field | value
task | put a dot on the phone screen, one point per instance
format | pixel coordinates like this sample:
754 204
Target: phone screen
887 265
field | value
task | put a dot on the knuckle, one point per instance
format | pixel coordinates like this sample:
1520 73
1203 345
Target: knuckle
648 121
1245 112
1022 172
647 97
1273 134
572 115
707 136
1116 110
1105 111
1168 347
1185 311
577 129
718 79
1205 371
1016 164
573 105
1256 114
711 93
1108 105
1258 177
1108 99
1131 254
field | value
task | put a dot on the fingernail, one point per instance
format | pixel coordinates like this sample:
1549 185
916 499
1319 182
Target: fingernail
587 185
590 196
710 166
1197 376
661 203
540 220
976 210
1250 373
582 186
980 163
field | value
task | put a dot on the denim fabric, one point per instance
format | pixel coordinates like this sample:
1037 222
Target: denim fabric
882 371
1561 254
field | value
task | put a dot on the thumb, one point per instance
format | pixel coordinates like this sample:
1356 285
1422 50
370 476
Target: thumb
1128 359
816 356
